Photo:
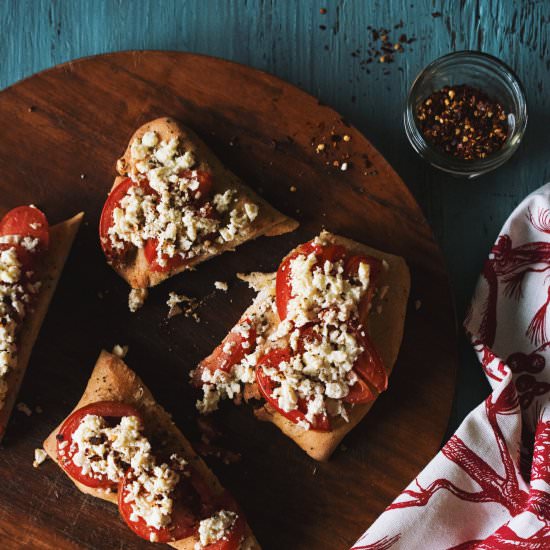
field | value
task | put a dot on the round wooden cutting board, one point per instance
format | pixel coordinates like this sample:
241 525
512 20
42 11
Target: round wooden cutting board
62 131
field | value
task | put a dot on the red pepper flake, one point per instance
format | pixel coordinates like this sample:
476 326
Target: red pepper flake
463 122
322 11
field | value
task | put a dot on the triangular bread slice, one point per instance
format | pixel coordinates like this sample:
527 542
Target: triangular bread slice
49 271
269 221
385 326
112 380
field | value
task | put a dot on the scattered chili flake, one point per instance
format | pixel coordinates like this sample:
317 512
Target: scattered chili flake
322 11
463 122
436 14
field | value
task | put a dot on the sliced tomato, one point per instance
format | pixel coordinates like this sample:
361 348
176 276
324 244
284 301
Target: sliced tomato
106 220
266 386
233 538
283 285
369 365
360 392
150 251
113 411
202 194
351 269
193 500
229 353
186 513
352 266
25 221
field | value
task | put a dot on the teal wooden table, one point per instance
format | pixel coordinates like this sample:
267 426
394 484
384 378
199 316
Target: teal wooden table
327 54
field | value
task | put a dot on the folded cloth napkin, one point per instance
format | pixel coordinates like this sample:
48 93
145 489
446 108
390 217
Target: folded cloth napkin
489 487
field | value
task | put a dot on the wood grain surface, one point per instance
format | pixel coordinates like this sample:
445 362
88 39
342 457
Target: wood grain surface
67 127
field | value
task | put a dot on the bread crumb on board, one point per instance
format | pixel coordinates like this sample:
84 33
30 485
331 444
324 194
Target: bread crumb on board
40 455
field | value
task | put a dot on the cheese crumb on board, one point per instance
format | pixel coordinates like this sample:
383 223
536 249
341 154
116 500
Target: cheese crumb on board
221 285
137 298
40 455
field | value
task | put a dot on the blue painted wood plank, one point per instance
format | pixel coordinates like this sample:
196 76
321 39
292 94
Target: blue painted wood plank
285 37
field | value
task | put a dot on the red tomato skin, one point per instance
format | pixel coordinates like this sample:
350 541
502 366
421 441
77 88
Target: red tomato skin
17 222
369 365
193 500
106 220
115 409
266 387
226 360
171 263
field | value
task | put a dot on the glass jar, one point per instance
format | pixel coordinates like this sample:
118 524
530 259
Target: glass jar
481 71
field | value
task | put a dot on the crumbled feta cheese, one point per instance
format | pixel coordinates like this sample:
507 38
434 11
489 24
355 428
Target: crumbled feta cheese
137 298
320 367
221 285
10 267
40 455
171 214
217 527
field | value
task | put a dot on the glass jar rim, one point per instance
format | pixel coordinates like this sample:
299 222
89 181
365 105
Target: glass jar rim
447 163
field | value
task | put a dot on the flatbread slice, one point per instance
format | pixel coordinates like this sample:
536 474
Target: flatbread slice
193 155
49 271
385 327
112 380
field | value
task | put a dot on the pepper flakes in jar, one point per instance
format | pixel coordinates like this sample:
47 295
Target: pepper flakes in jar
463 121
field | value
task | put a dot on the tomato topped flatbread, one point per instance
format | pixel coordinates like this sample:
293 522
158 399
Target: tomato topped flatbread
32 256
321 339
174 205
164 493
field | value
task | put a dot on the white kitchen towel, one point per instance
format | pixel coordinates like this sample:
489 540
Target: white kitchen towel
489 487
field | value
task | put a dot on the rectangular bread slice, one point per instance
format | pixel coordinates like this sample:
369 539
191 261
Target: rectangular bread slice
385 326
269 221
112 380
49 271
